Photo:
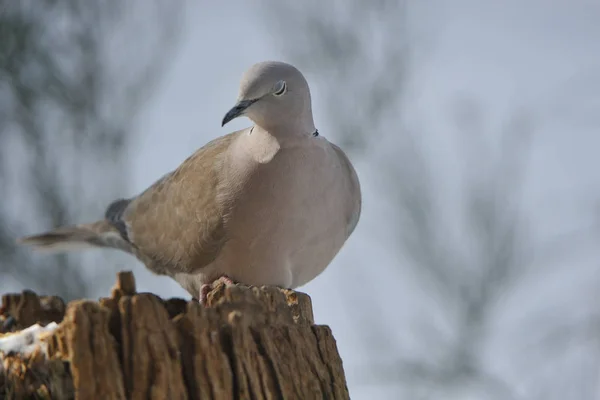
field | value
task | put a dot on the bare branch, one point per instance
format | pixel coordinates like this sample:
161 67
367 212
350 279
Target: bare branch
72 77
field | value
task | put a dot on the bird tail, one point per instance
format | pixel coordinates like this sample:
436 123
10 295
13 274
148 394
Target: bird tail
78 237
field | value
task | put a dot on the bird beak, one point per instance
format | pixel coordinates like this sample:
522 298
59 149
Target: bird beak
237 110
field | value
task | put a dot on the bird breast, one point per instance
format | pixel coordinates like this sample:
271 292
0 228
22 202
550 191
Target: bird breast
284 219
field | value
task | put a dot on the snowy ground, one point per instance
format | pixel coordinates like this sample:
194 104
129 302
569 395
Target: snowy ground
25 341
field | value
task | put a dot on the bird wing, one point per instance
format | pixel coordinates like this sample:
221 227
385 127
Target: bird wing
177 223
354 206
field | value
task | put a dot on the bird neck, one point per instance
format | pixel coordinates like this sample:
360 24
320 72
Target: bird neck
288 135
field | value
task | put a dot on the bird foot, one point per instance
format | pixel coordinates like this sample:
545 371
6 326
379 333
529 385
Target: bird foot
207 287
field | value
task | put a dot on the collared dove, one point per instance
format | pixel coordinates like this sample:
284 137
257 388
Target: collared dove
271 204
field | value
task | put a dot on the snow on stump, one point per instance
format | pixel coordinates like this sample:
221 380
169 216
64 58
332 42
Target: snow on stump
247 343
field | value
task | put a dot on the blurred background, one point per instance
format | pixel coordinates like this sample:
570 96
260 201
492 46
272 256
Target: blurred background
474 127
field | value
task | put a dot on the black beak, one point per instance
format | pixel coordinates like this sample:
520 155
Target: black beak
237 110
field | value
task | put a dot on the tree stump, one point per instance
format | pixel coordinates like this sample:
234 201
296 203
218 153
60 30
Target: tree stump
247 343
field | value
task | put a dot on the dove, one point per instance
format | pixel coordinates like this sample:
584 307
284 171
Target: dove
271 204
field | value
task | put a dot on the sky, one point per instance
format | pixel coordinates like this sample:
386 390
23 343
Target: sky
541 57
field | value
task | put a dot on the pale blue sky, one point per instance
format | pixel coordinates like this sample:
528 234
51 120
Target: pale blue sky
541 56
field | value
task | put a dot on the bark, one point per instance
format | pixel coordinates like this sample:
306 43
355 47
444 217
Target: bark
247 343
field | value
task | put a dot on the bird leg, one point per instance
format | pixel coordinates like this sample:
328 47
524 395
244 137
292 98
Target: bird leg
207 287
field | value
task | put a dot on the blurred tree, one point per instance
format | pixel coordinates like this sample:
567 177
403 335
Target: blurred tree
466 248
73 75
340 41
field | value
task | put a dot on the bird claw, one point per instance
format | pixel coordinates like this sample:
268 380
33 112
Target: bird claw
207 287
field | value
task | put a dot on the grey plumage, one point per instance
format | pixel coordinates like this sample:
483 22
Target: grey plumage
114 215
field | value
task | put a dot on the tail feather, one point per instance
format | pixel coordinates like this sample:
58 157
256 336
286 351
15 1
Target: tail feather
77 237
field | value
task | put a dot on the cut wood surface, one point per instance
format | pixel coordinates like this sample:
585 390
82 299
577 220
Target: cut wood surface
247 343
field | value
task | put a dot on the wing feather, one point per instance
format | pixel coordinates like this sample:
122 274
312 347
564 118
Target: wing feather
177 223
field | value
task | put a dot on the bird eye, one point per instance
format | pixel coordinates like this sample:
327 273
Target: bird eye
280 88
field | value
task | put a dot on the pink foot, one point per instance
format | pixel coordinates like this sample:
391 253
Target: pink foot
207 287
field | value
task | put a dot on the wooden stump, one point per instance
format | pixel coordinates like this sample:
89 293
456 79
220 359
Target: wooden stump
248 343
